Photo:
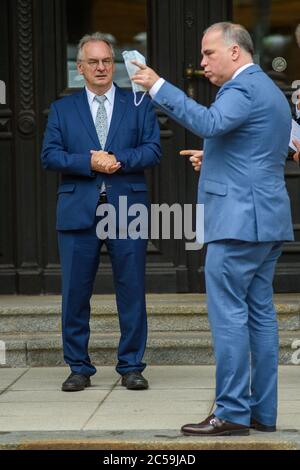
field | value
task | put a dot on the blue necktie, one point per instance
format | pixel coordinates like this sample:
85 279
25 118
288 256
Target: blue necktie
101 123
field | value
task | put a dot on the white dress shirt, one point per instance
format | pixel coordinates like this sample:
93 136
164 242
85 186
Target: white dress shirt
240 70
108 103
109 106
156 87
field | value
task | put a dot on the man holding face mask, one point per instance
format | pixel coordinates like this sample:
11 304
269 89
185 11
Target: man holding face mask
247 217
100 143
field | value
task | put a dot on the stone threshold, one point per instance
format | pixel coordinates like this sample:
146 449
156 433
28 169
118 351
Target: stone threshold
145 440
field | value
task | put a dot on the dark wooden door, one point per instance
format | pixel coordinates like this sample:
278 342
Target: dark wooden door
34 39
175 30
33 65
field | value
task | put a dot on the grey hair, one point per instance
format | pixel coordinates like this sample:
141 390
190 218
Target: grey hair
234 33
93 38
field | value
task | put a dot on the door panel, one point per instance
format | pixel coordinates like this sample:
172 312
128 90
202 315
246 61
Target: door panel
174 48
36 65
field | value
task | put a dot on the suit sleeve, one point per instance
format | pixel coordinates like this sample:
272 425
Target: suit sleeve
230 110
54 155
148 152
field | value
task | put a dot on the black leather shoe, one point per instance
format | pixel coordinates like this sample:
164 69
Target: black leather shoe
213 426
254 424
75 383
134 381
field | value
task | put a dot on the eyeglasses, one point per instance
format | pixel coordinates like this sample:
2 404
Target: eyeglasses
94 63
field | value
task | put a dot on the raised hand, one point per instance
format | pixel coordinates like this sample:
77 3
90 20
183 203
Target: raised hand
144 76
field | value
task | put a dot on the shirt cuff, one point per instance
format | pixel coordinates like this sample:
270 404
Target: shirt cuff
156 87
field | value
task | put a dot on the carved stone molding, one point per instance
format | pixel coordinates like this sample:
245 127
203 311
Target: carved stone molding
26 122
189 19
26 118
5 124
5 128
164 121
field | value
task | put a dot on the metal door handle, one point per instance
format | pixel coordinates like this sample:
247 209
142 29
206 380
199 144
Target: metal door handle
190 72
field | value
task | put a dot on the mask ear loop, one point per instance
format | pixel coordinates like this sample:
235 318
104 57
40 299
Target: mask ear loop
137 104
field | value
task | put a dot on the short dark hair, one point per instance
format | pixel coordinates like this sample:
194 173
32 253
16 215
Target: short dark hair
234 33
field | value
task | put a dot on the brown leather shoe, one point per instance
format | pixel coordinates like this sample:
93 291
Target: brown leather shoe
254 424
213 426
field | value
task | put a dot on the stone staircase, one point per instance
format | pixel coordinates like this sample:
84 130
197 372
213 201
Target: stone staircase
178 329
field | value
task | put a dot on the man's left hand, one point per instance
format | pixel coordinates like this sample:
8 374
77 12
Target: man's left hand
195 157
145 76
296 155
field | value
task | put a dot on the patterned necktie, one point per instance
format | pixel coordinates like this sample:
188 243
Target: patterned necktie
101 120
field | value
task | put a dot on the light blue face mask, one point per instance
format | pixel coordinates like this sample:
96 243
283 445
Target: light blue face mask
128 56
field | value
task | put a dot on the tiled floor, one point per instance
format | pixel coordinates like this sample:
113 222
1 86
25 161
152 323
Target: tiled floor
31 400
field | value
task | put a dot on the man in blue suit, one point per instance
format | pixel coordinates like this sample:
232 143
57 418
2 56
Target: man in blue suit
247 217
100 143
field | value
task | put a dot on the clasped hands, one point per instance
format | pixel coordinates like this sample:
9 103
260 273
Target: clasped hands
104 162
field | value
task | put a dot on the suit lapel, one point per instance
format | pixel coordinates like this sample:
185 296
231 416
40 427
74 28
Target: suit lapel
118 113
84 111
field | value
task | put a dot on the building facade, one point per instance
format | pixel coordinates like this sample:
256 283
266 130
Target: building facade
38 65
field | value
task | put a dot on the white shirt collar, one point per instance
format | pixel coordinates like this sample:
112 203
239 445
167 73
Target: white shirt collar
109 95
241 69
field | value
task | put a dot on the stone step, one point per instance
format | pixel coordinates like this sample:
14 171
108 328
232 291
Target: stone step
154 440
44 349
166 312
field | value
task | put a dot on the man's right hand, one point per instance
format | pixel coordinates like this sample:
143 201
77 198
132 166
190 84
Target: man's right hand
103 162
196 157
144 76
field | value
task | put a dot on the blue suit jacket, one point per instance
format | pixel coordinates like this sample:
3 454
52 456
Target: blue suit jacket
246 131
133 137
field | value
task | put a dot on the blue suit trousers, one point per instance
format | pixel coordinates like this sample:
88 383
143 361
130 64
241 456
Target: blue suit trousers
80 255
243 321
